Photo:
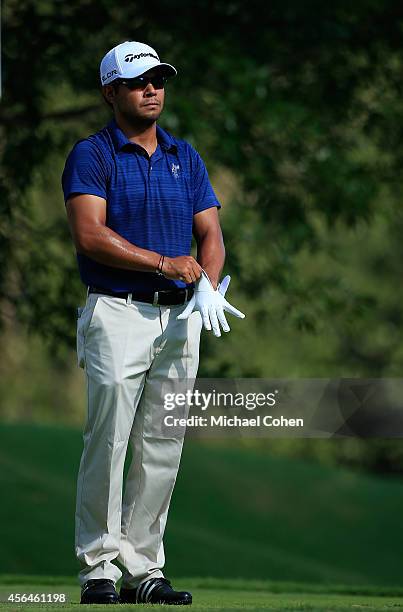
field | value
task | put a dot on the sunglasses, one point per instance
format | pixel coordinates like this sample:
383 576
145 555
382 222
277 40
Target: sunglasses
141 82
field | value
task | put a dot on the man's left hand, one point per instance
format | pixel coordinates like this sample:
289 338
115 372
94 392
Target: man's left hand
211 304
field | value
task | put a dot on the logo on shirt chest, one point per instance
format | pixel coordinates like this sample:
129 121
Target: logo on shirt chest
175 170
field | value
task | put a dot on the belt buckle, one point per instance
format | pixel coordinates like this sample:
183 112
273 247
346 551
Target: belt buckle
186 296
155 299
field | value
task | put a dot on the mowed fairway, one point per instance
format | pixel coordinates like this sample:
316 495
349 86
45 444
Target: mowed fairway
246 530
214 594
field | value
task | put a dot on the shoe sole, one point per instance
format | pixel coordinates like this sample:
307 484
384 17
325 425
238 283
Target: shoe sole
111 603
159 603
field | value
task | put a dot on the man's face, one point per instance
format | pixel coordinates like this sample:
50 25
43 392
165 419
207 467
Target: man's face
141 105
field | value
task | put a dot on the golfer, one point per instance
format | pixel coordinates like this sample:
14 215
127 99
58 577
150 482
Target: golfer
134 196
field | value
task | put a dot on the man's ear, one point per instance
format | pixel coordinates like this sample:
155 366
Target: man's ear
108 92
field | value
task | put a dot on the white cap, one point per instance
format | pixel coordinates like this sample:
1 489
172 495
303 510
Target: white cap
131 59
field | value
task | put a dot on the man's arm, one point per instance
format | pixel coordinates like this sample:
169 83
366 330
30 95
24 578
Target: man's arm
87 217
209 301
210 244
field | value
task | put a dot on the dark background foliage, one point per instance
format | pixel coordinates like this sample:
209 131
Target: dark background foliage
296 108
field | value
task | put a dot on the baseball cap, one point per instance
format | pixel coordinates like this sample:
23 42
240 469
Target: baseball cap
131 59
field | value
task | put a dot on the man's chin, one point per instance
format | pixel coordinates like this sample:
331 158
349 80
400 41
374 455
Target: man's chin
152 114
145 118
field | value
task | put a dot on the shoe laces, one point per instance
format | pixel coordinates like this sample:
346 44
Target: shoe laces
96 582
165 580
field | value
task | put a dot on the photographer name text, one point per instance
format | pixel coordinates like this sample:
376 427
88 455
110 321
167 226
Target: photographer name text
234 421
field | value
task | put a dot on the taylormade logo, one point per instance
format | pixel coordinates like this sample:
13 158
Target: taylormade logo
131 56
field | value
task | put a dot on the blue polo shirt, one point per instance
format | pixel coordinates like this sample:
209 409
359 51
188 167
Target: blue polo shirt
151 201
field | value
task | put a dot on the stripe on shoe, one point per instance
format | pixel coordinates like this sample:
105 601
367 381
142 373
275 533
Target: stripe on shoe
139 593
148 593
144 591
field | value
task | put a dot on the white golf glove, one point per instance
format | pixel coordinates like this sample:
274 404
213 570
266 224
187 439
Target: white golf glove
211 304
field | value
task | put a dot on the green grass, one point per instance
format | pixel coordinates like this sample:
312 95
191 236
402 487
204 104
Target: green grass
215 594
235 512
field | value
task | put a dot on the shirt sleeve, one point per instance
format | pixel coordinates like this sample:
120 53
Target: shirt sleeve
204 196
85 171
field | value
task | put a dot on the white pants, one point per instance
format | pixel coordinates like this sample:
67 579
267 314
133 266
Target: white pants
130 352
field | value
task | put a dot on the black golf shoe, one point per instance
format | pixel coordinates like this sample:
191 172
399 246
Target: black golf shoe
155 591
99 591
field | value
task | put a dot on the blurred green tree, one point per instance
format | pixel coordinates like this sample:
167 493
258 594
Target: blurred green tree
299 102
298 110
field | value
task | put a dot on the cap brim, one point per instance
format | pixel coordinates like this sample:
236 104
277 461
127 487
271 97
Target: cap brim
166 69
131 73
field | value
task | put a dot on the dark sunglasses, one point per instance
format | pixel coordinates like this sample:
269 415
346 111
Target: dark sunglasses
141 82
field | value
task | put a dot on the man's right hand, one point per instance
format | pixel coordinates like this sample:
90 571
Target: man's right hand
184 268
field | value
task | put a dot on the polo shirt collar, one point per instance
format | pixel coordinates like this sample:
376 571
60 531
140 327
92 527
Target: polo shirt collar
164 139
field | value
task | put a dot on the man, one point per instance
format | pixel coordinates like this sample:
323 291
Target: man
133 196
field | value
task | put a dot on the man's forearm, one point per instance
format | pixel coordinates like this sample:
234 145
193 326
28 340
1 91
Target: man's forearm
107 247
211 255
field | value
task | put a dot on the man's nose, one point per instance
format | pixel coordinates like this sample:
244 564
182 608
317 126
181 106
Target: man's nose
150 90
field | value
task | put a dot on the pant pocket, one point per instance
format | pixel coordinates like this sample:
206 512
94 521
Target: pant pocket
80 338
84 318
80 346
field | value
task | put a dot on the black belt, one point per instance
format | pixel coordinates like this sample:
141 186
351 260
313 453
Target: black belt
165 297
